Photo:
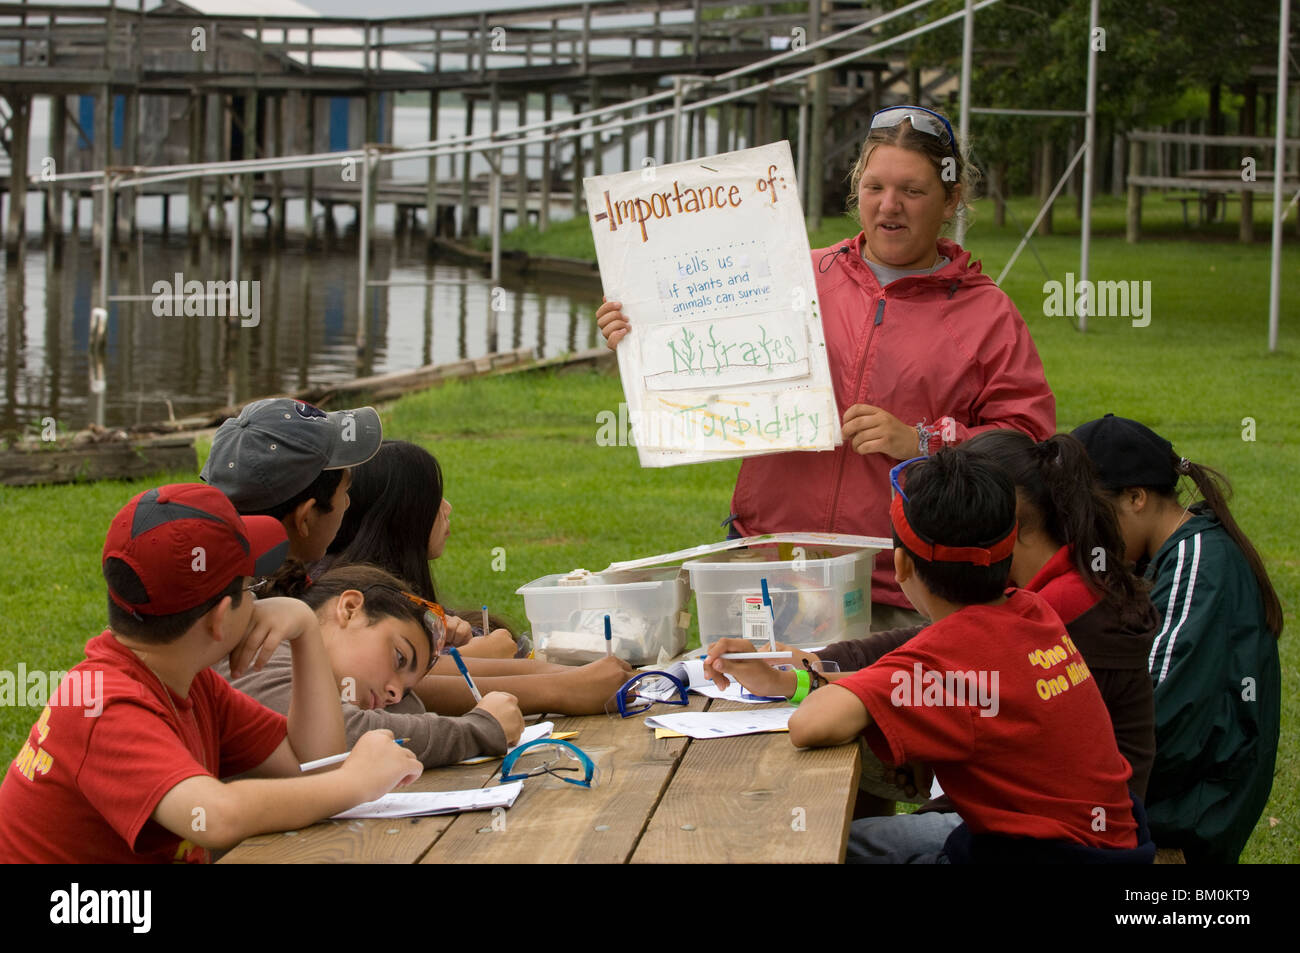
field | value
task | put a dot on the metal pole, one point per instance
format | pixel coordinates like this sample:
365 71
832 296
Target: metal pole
1279 169
1089 143
363 251
967 42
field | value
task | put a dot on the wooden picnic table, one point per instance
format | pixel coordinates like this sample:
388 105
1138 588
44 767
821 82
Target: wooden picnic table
751 799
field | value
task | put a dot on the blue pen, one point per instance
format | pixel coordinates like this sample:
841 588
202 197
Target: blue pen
767 601
460 664
609 639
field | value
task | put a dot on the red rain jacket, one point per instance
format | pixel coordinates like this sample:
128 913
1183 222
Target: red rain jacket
948 349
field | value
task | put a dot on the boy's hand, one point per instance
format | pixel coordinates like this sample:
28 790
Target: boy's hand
273 621
504 707
590 687
798 655
612 323
378 764
758 676
875 430
459 632
915 778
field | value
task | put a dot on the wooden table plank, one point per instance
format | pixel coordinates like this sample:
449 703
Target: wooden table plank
554 822
754 799
372 840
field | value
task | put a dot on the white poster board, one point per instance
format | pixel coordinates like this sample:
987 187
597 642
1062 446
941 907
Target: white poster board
710 260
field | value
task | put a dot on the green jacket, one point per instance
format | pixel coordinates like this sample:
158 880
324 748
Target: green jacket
1218 687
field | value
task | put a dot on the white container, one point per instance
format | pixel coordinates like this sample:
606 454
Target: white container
815 601
646 609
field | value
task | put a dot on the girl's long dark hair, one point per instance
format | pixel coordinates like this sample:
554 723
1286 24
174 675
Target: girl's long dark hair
395 498
1059 482
382 591
1216 491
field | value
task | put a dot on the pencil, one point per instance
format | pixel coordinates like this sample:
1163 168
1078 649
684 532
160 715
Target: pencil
336 758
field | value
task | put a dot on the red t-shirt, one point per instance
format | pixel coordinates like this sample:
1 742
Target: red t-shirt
1000 702
1063 587
85 784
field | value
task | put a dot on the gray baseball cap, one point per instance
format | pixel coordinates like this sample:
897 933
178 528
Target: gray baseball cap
276 448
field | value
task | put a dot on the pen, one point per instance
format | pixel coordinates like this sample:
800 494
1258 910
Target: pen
609 639
485 621
460 664
336 758
756 655
771 615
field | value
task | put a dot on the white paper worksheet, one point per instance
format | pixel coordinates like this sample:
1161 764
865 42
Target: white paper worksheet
419 803
724 724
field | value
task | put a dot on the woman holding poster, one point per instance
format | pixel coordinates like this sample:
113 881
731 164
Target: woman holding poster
925 350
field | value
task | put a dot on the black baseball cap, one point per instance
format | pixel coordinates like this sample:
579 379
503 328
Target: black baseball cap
277 447
1128 453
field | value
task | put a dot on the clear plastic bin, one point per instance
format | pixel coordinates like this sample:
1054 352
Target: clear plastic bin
646 609
815 601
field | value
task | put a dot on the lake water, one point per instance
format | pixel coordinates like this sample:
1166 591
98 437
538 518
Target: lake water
153 366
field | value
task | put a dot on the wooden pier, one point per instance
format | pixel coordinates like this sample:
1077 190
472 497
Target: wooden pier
179 84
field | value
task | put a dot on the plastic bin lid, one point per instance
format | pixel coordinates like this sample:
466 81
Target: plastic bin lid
706 549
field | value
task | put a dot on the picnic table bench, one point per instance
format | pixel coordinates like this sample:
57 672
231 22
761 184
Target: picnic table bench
750 799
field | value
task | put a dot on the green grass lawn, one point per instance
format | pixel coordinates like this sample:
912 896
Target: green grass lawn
528 480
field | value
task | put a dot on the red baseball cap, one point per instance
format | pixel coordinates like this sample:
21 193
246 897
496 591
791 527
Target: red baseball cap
186 544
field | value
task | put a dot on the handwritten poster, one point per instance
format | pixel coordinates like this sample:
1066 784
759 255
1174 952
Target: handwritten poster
710 259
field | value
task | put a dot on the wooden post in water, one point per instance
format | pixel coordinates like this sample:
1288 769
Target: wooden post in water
579 167
544 206
58 152
101 156
431 182
494 116
374 133
468 222
597 151
250 152
650 130
194 187
277 178
309 175
521 175
20 121
724 127
217 103
130 155
363 256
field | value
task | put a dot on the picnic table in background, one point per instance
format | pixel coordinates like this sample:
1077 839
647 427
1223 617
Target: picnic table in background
750 799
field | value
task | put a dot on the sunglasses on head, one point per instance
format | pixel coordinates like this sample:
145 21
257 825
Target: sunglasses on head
434 618
922 120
